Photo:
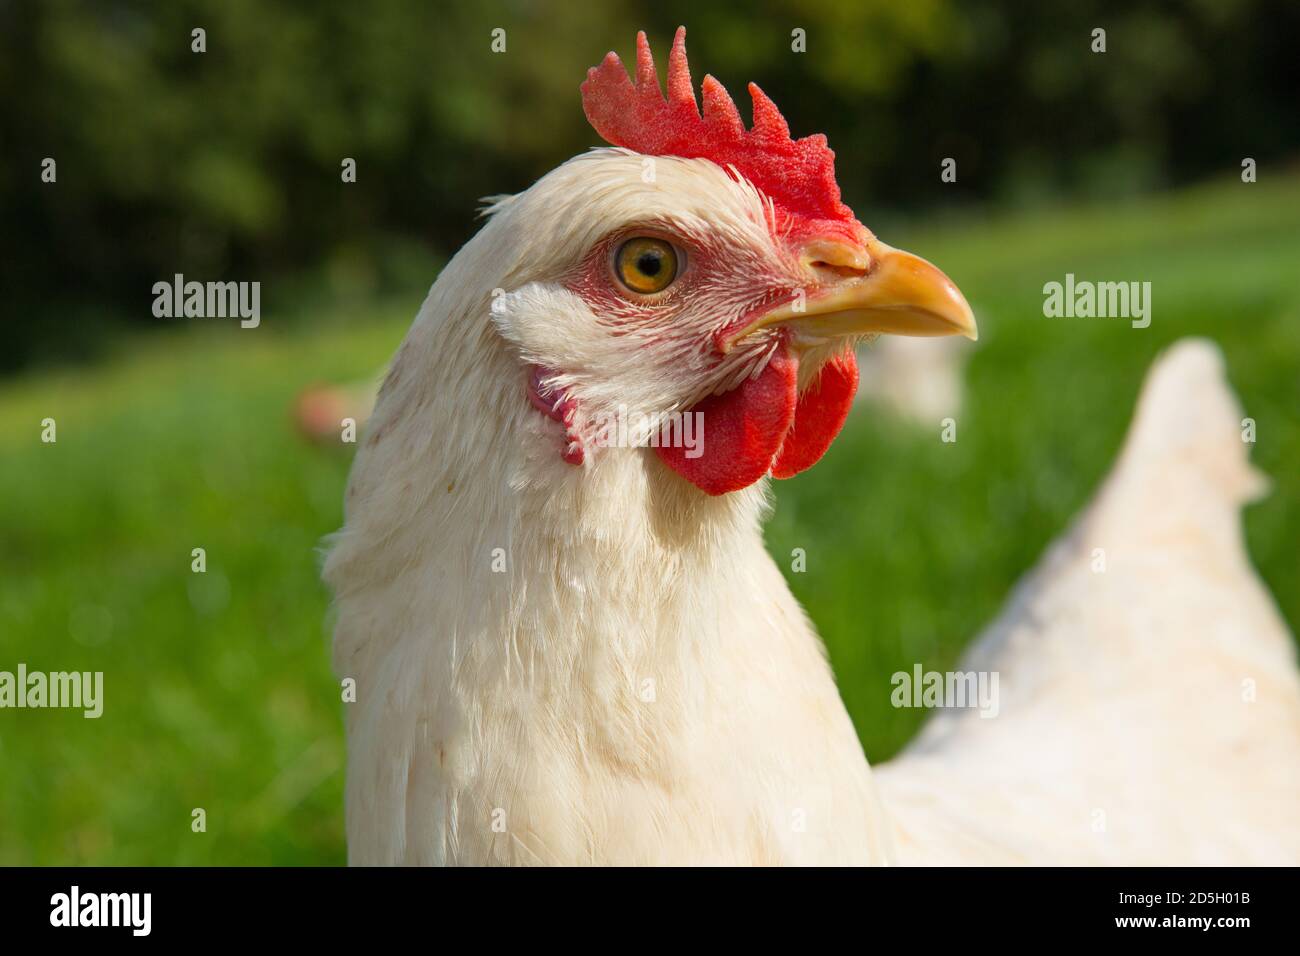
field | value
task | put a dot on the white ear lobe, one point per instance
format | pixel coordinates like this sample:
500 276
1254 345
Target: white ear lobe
519 318
550 325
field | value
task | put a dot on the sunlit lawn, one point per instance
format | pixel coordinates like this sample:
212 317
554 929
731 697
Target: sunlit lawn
218 689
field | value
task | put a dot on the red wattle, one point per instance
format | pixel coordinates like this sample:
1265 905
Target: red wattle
742 430
819 416
764 425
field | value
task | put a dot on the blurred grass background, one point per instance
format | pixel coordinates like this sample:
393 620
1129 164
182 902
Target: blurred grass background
175 435
218 690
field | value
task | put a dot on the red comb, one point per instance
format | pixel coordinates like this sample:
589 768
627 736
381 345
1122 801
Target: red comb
798 175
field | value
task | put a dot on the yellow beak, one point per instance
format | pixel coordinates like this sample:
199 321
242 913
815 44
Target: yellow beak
873 288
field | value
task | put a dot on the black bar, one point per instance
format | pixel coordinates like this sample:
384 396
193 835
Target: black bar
330 906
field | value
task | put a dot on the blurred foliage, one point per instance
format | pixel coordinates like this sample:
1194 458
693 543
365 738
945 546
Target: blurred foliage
217 687
226 164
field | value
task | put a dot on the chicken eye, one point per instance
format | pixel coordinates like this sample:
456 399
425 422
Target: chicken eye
646 265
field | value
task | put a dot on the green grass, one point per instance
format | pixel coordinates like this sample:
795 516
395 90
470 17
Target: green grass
218 688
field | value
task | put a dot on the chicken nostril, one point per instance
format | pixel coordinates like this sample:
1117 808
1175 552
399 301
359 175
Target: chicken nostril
837 270
833 259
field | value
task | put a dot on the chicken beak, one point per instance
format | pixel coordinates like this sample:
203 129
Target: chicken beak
874 288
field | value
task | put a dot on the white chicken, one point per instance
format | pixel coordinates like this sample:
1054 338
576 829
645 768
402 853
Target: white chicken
569 650
1149 709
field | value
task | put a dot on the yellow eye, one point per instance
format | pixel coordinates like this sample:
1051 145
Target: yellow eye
646 265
